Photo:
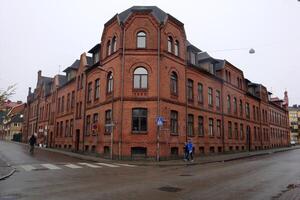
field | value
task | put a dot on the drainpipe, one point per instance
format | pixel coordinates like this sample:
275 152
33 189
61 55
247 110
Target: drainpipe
158 92
222 106
122 92
84 111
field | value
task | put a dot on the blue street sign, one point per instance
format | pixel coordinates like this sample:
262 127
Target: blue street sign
159 121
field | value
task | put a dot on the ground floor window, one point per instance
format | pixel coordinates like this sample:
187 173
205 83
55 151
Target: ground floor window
138 152
174 151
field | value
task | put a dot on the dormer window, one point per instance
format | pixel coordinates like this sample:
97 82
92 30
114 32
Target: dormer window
96 57
193 58
176 48
141 39
170 44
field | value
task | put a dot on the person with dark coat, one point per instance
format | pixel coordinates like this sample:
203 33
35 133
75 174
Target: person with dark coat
32 142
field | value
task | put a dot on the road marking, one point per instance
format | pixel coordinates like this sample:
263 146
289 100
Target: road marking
50 166
90 165
72 166
28 167
107 165
125 165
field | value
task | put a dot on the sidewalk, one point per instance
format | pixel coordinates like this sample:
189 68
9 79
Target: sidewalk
197 161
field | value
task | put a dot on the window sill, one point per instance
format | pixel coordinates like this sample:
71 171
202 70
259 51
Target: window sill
107 133
174 134
139 132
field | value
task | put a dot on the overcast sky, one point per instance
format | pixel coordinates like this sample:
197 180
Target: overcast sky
47 34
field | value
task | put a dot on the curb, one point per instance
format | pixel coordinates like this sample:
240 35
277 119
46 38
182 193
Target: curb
8 175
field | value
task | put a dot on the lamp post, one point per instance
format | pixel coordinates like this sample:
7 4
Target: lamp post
112 124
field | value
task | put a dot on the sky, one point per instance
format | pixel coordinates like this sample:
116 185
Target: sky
49 35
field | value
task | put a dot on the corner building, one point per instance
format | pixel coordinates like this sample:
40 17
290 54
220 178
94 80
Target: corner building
145 67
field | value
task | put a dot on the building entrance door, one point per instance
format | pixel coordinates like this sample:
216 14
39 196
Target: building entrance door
77 139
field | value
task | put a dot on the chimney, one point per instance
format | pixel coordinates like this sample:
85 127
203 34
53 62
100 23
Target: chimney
39 74
286 99
29 90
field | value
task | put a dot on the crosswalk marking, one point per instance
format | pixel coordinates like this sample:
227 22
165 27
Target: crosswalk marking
125 165
50 166
72 166
28 167
107 165
90 165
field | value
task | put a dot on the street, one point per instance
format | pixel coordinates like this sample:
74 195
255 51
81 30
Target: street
49 175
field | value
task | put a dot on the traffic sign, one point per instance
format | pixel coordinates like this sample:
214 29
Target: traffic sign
159 121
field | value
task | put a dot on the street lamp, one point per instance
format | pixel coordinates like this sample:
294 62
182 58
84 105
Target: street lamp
112 124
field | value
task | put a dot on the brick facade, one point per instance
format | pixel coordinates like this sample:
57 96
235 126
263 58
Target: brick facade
209 99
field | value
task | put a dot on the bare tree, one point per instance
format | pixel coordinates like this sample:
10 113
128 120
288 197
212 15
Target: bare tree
5 94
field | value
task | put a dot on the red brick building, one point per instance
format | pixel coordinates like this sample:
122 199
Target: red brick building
143 68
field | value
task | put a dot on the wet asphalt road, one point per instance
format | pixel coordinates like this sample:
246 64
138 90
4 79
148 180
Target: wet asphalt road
276 176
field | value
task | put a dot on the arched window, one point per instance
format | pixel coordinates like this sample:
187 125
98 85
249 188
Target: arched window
140 78
108 48
176 48
174 83
141 39
170 44
114 44
228 104
109 82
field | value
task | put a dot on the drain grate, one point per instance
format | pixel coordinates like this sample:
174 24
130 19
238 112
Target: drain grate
170 189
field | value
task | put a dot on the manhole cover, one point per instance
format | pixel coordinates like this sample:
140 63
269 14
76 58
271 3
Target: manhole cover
170 189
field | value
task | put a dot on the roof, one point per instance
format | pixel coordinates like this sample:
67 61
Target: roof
190 45
159 14
62 79
74 66
203 56
95 48
17 109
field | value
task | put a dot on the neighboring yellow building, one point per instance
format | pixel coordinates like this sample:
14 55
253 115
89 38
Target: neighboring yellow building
294 118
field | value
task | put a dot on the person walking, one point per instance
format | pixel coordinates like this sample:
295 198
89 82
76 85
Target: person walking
190 149
32 142
186 152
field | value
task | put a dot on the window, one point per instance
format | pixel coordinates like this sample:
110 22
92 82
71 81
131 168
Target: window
190 90
57 129
78 82
108 121
241 131
218 99
141 40
210 96
190 125
61 128
211 127
72 99
229 129
174 122
254 114
140 78
139 119
108 48
63 104
200 126
193 58
81 81
234 105
219 128
248 110
170 44
174 83
89 94
67 129
200 93
228 104
97 89
241 108
236 131
176 49
109 82
114 44
71 127
68 102
88 125
95 123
